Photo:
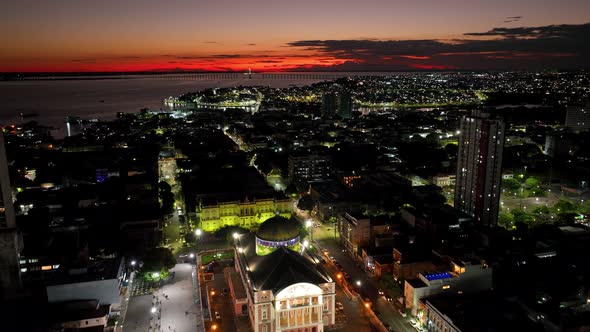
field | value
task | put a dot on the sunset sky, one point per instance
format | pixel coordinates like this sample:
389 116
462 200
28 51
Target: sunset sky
286 35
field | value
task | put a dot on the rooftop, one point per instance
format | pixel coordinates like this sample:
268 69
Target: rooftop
279 269
437 276
482 312
278 228
98 269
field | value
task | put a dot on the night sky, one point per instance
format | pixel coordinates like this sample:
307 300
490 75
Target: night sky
282 35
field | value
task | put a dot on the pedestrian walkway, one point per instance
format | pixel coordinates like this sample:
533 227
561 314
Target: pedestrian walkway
125 303
180 313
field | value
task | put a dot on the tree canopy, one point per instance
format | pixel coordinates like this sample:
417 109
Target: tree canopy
158 259
305 203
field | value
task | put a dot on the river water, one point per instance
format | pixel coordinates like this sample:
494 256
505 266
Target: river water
54 100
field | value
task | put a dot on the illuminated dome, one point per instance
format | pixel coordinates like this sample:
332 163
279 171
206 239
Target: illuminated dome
277 232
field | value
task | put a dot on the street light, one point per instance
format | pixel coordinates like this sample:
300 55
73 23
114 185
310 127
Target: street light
156 274
133 263
154 310
198 232
308 224
358 283
235 235
192 255
214 327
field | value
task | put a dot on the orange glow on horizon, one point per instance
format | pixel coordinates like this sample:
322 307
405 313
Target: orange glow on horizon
205 64
415 57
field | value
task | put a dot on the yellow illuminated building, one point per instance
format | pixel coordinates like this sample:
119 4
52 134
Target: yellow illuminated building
243 213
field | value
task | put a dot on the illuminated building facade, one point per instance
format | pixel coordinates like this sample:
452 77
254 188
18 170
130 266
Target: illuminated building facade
286 289
465 276
479 167
578 117
355 232
167 167
309 167
214 214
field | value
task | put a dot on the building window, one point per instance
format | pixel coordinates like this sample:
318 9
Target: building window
264 328
264 314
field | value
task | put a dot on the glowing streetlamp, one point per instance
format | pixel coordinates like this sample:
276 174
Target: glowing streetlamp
235 235
191 255
358 283
133 262
198 232
308 224
156 274
154 310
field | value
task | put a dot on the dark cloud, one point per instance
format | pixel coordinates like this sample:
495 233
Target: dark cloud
561 46
549 31
227 56
186 57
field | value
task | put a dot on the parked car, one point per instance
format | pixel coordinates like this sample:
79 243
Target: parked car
403 313
217 315
339 306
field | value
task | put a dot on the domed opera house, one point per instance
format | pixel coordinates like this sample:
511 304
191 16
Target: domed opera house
278 285
275 233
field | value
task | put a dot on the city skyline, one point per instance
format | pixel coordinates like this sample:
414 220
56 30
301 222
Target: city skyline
376 35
